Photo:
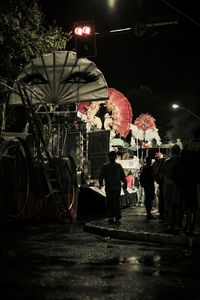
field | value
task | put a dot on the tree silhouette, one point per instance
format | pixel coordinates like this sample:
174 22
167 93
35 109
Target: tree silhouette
23 36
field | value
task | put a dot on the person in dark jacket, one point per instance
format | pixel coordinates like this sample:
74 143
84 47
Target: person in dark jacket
159 178
172 191
147 182
113 174
191 183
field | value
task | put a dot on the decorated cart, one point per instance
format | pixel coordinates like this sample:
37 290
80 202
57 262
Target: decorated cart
38 171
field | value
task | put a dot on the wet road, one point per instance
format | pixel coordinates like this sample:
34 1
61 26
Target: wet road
51 261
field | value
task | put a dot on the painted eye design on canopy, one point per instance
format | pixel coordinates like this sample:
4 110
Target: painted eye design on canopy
60 77
35 79
80 77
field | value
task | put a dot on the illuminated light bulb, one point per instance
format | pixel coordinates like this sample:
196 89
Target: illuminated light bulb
175 106
78 31
87 30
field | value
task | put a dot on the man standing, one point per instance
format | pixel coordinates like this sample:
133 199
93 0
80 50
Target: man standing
172 191
147 182
113 174
191 183
159 178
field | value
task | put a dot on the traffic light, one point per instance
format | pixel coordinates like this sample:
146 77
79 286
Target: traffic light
85 41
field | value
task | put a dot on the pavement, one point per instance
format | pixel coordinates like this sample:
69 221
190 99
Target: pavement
135 227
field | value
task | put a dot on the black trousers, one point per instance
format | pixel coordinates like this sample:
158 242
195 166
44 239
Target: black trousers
149 197
113 203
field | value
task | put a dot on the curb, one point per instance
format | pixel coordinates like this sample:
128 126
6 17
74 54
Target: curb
139 236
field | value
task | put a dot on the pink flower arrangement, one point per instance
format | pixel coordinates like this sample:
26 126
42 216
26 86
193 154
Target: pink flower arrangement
145 121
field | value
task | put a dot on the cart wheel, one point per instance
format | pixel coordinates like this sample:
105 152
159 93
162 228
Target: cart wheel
14 177
66 176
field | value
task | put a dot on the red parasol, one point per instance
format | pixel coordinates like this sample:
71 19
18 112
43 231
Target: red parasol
120 110
119 101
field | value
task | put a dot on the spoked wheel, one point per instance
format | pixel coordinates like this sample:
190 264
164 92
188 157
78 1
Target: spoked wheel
65 173
14 177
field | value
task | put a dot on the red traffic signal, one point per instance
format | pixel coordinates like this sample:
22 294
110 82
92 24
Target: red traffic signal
85 42
78 31
85 30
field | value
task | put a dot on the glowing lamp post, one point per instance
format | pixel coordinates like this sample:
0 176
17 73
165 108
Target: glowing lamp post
176 106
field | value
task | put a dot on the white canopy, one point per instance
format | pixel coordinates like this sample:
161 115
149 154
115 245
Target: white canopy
61 77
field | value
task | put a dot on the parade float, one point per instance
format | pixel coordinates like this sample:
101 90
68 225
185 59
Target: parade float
66 122
115 116
38 174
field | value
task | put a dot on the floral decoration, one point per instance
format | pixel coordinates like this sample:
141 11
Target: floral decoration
145 121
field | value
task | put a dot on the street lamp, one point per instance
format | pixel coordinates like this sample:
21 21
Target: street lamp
175 106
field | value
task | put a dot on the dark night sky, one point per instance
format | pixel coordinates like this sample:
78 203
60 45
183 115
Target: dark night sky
166 58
